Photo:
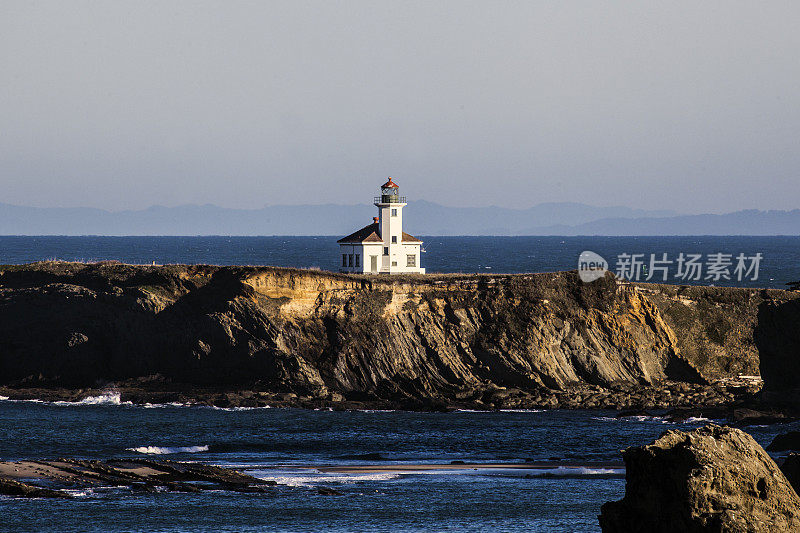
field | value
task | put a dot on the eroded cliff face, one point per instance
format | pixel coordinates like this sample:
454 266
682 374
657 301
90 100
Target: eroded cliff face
318 333
717 328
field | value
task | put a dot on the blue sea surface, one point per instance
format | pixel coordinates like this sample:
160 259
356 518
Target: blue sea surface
780 262
289 445
293 447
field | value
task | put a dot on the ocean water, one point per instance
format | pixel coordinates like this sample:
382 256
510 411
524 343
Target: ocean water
294 447
780 261
290 446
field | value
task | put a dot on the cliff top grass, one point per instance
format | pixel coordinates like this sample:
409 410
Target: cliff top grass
115 270
58 267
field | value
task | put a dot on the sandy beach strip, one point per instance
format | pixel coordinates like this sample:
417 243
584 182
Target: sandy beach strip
60 470
428 467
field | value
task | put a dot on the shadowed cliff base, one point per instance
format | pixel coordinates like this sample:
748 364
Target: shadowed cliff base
250 336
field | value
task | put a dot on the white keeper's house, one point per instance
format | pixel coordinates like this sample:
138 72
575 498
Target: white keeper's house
382 247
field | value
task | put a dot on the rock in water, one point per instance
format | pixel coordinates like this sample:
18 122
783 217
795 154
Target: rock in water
791 469
785 441
710 479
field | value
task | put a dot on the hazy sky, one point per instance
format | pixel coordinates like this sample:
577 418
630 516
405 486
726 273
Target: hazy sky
689 106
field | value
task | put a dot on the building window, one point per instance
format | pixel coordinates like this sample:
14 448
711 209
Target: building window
358 260
394 263
344 260
394 239
411 260
350 260
385 250
394 212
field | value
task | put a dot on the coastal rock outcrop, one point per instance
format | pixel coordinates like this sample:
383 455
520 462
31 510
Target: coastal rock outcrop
311 331
493 340
711 479
54 479
785 441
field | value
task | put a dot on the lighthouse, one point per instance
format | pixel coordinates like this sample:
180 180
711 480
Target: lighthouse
382 247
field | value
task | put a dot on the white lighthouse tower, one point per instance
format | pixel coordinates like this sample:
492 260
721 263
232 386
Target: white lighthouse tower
382 247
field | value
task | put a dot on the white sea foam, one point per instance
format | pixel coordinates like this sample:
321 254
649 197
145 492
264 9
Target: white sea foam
304 480
638 418
106 398
499 410
164 450
237 408
577 471
163 405
662 419
78 493
477 470
113 398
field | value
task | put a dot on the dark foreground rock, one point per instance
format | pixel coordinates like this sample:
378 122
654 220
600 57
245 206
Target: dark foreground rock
711 479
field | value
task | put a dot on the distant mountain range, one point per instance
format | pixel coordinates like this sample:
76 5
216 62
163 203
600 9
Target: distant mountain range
421 218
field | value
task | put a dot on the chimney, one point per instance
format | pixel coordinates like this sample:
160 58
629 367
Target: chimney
375 220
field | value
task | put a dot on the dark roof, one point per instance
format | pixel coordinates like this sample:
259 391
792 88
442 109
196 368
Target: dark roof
409 238
372 233
389 183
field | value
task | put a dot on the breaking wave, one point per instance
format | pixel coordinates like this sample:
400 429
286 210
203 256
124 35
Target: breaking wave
236 408
584 471
661 419
305 480
107 398
163 405
636 418
164 450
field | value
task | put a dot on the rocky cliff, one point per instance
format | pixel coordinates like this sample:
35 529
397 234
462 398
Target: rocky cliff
323 335
726 332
